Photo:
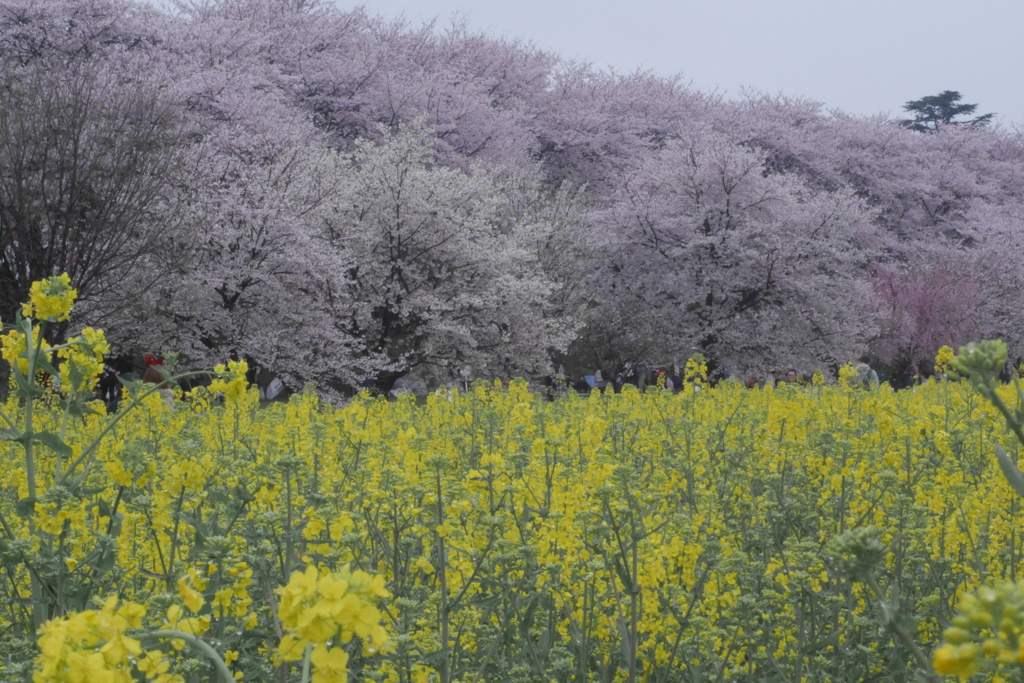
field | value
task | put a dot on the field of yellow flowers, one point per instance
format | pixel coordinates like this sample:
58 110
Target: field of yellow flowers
651 537
789 534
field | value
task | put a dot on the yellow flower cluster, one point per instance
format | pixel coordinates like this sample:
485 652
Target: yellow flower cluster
92 647
50 299
230 380
230 582
83 360
696 371
942 360
81 357
321 608
847 374
14 344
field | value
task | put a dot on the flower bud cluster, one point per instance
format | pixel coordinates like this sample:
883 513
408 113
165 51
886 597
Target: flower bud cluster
987 633
860 551
982 359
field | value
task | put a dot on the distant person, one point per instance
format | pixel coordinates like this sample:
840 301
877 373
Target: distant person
609 369
792 377
398 388
109 389
750 381
865 376
154 376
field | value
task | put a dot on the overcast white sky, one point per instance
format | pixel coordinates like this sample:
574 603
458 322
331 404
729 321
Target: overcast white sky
862 56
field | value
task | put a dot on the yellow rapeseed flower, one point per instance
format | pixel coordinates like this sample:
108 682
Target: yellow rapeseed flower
50 299
192 598
329 665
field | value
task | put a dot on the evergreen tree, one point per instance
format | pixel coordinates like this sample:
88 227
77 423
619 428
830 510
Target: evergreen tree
934 111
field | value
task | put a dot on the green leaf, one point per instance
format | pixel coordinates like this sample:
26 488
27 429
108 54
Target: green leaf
54 442
255 634
25 506
115 527
105 562
894 596
10 435
887 615
80 409
43 364
544 641
26 389
1010 471
433 658
89 491
526 621
243 496
620 569
80 596
132 388
489 602
202 530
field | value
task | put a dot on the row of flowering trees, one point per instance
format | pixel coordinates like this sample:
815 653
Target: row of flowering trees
335 195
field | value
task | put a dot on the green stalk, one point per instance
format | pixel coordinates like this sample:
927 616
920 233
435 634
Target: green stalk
442 562
218 664
904 636
38 608
305 663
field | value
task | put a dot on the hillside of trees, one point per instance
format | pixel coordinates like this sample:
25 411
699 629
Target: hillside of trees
335 195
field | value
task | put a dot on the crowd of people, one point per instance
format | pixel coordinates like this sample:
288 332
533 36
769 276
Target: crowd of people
642 376
610 375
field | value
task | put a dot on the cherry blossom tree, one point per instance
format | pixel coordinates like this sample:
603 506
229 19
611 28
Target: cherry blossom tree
925 308
334 195
259 280
592 126
718 257
91 162
444 274
262 282
947 202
